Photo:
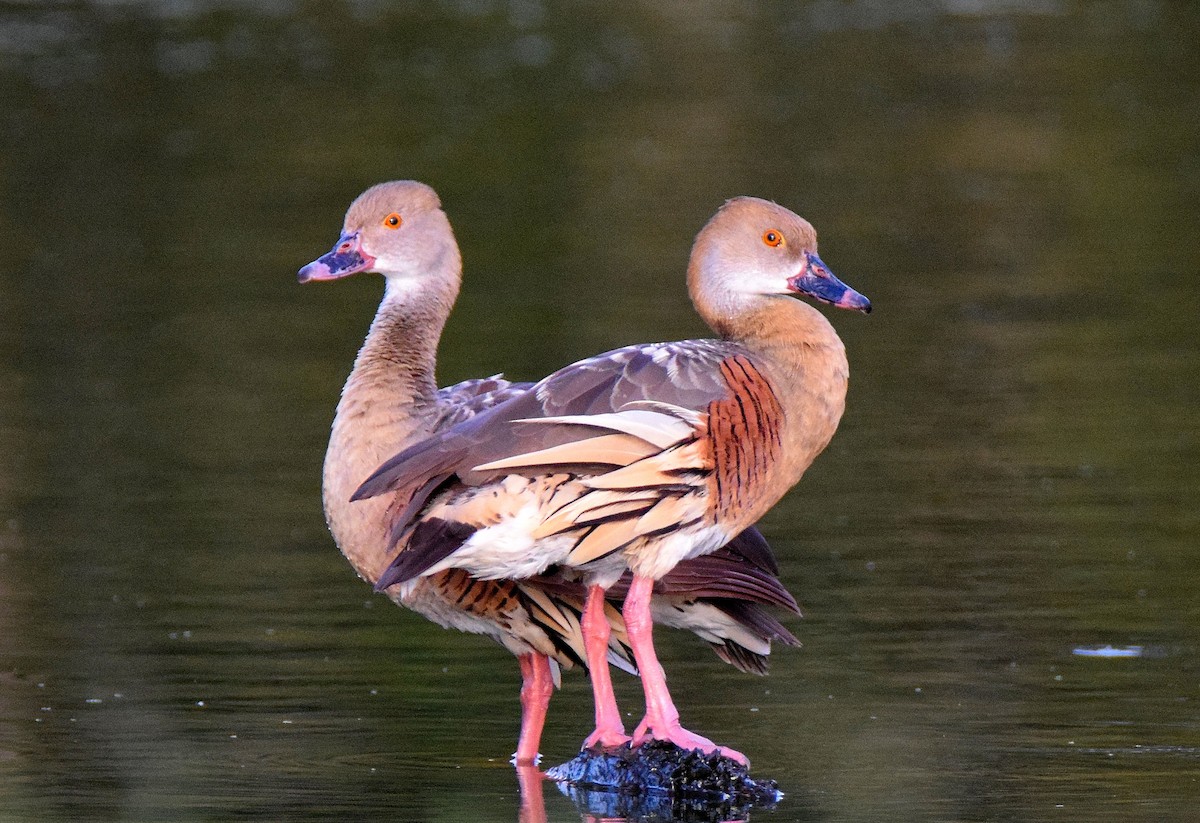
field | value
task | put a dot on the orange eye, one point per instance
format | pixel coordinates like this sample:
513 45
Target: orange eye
772 237
393 221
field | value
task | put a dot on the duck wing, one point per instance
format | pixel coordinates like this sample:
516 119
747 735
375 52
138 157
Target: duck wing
655 435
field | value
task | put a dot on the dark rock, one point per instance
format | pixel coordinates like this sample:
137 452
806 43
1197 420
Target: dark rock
660 781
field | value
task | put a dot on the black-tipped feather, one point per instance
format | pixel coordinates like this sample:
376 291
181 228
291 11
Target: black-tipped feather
757 619
753 547
552 629
739 569
742 658
433 540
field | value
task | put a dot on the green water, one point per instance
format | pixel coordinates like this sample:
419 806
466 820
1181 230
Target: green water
1015 185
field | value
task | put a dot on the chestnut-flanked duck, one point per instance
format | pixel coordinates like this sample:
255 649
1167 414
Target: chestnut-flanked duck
645 457
391 401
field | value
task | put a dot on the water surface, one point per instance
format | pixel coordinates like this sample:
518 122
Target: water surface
1016 185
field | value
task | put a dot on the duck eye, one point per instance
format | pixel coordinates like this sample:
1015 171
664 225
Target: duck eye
393 221
772 237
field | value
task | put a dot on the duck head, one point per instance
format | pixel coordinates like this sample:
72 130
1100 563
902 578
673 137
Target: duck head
396 229
753 251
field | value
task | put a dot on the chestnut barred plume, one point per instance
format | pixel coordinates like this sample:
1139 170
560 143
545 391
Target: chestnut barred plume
645 457
391 402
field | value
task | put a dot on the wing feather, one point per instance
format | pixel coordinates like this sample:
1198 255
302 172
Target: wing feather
604 539
592 507
639 410
659 429
678 379
608 449
666 468
668 511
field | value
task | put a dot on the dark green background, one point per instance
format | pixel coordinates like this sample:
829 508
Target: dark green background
1016 185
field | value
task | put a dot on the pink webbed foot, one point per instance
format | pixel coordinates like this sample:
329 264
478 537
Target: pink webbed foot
662 718
608 738
685 740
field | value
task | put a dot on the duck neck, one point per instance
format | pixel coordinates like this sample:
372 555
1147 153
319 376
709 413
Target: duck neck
389 399
791 333
392 388
806 362
393 374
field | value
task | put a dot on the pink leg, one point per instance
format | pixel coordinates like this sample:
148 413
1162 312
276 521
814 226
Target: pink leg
536 687
662 718
610 731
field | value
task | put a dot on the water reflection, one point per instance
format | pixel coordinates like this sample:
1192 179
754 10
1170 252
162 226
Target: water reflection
533 801
1013 183
604 806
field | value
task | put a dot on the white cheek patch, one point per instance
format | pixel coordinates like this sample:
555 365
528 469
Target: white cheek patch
402 286
757 280
746 277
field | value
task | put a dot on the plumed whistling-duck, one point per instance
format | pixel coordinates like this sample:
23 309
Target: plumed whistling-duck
646 456
391 401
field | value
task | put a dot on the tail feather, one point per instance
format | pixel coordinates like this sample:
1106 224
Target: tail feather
741 658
